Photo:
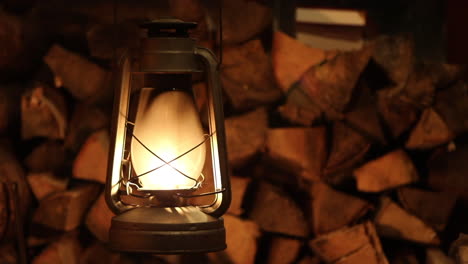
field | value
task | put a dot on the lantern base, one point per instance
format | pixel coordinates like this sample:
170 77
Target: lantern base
170 230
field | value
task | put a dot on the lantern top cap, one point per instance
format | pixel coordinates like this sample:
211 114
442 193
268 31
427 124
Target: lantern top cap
168 27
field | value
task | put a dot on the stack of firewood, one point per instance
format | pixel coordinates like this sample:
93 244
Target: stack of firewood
336 157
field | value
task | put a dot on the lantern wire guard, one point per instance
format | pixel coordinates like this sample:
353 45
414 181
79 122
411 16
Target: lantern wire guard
167 223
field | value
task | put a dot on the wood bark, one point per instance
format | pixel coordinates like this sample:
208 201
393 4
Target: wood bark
393 221
331 209
434 208
66 210
245 136
331 84
244 89
85 80
356 244
275 212
43 113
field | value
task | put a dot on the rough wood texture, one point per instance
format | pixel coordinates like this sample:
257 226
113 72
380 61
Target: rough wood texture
46 157
300 109
362 114
434 208
393 221
275 212
298 149
331 210
12 173
244 89
395 55
85 120
430 131
66 250
283 250
66 210
241 240
452 105
98 219
447 169
255 18
291 58
398 114
45 183
388 171
348 149
331 84
91 161
43 113
437 256
420 88
245 136
84 79
357 244
238 190
459 249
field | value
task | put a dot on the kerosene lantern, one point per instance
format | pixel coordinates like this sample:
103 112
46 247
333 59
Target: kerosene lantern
167 152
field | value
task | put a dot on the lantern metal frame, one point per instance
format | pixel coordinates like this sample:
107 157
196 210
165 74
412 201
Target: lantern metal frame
175 229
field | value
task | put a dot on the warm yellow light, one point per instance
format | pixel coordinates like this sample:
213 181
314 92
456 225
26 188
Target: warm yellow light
167 124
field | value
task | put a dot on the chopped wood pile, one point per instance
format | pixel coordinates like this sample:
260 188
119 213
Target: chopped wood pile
336 157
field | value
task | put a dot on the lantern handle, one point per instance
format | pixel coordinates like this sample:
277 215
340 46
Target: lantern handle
212 70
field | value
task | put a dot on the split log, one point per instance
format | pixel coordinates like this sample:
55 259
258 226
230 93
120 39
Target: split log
459 249
331 84
43 113
444 74
398 114
10 98
85 80
255 19
49 156
300 109
283 250
298 149
98 219
238 190
437 256
395 54
406 256
102 40
8 254
85 120
98 253
291 58
394 222
434 208
452 105
66 210
420 88
348 149
430 131
91 161
12 173
275 212
357 244
66 250
45 183
331 210
362 114
241 240
245 136
310 260
244 89
388 171
447 169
